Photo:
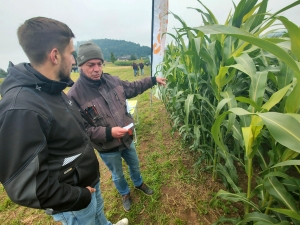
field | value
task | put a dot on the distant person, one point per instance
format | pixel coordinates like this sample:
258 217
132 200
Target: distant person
142 68
102 99
74 68
46 157
135 68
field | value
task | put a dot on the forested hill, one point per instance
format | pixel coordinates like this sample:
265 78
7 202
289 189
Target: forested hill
119 48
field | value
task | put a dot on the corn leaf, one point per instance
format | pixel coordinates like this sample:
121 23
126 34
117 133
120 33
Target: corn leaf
258 217
239 197
221 77
197 135
237 133
248 139
252 39
231 104
221 105
287 212
266 223
287 163
242 9
292 184
249 14
215 130
277 190
284 128
248 101
292 103
247 63
187 106
289 154
222 169
287 7
260 14
276 97
211 15
294 33
223 220
258 79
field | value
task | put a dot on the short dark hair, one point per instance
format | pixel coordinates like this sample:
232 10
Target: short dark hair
39 35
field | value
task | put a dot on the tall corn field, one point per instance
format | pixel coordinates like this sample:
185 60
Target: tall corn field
233 94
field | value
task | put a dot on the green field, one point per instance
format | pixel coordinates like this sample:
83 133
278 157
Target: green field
182 193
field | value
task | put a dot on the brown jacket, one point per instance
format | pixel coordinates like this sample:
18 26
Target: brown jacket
108 96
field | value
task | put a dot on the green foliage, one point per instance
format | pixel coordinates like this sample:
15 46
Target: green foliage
2 73
112 57
146 60
233 95
132 57
123 63
120 48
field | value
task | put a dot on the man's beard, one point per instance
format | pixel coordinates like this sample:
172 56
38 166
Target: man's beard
64 78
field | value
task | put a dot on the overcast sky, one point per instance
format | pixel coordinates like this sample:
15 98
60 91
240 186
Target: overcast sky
128 20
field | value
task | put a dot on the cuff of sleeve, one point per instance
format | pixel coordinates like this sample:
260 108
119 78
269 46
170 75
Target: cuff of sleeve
153 79
83 200
109 136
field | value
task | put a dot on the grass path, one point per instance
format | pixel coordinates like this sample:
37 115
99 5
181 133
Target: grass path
182 193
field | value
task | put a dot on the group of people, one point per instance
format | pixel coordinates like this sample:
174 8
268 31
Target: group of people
47 138
136 67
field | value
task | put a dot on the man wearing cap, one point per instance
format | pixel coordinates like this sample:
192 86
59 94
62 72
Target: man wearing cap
46 158
101 99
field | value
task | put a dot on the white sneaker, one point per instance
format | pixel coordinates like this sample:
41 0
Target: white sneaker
123 221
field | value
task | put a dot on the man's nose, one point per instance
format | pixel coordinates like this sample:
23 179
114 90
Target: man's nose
96 68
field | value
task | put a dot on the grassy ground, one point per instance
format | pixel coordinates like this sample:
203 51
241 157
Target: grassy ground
182 193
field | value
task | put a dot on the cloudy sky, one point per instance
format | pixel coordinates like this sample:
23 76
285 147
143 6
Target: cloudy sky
128 20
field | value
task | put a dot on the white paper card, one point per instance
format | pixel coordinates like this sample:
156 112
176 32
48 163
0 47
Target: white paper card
128 126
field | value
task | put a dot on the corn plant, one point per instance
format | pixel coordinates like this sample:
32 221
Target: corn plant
233 95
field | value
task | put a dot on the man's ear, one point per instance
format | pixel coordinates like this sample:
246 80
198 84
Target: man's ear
54 56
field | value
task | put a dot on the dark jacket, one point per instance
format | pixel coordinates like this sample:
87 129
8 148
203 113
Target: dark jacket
108 95
135 66
46 158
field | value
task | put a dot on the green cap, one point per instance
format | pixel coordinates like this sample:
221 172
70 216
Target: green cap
87 51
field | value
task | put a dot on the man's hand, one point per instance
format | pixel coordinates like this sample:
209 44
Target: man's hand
92 190
161 81
118 132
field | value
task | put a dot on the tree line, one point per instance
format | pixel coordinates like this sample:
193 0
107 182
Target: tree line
3 73
119 48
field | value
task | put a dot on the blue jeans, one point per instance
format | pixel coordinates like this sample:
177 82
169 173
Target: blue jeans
113 160
93 214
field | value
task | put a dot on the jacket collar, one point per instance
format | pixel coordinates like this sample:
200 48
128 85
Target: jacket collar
93 83
47 85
